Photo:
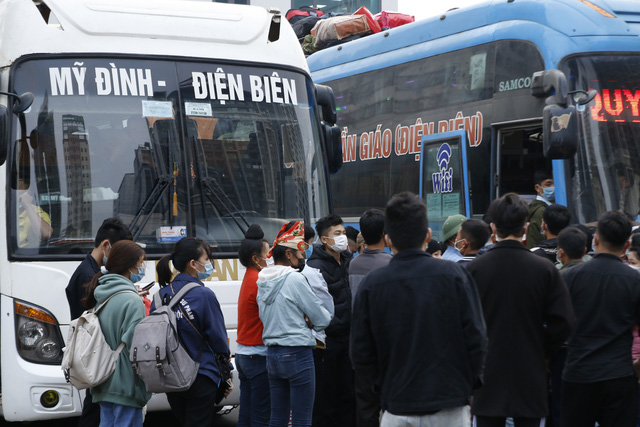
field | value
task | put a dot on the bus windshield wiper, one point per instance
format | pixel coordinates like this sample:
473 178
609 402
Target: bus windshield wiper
216 194
150 204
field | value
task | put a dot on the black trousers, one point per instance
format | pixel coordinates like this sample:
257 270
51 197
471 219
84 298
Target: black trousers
367 403
195 407
611 403
90 412
338 397
499 422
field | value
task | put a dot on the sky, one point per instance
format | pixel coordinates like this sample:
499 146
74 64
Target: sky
425 8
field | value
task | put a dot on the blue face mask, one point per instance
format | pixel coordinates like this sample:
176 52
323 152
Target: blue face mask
104 258
136 277
208 269
308 252
549 194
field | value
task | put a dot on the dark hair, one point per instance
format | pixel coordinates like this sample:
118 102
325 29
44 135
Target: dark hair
405 221
433 247
352 233
251 245
556 217
635 249
509 214
325 223
308 232
124 255
279 251
476 231
542 175
372 226
114 230
613 229
573 242
588 232
635 238
185 250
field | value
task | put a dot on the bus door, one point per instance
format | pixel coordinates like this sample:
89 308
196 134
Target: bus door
444 178
518 156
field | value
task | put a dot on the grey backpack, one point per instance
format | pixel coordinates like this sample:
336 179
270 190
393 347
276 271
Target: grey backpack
157 354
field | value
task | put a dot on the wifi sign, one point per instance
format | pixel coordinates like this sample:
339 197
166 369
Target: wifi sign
443 180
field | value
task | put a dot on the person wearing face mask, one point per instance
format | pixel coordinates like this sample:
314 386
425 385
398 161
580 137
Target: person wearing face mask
520 292
472 236
320 289
289 310
545 195
200 325
332 259
110 232
554 219
251 353
122 396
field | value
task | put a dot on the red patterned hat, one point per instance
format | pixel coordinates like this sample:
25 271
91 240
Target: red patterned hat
292 238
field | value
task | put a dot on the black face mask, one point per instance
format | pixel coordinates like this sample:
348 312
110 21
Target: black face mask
301 263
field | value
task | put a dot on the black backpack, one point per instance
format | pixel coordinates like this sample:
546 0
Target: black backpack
294 15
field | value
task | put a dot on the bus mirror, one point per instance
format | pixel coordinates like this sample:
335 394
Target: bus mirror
274 27
22 102
560 131
551 83
327 102
333 141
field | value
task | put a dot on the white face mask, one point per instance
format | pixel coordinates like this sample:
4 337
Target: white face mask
635 267
270 262
341 243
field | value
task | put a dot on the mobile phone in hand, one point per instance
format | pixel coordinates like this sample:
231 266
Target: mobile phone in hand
149 286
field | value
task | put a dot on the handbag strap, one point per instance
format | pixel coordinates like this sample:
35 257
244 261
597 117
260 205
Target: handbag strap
177 297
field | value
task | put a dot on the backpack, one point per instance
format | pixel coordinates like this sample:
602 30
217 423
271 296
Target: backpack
157 355
294 15
88 359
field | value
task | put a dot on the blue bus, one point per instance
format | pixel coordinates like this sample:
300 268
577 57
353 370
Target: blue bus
455 106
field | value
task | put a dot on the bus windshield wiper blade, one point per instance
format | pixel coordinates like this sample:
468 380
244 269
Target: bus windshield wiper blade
216 193
149 205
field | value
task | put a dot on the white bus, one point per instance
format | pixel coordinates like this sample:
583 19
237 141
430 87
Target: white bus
179 118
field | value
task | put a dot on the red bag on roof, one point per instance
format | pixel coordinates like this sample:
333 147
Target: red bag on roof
373 24
393 19
294 15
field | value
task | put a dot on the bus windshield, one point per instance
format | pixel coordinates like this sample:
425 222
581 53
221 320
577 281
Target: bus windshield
606 175
171 148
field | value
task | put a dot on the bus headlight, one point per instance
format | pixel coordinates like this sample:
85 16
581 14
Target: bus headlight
30 333
38 336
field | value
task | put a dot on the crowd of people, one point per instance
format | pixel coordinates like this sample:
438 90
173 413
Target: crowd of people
518 318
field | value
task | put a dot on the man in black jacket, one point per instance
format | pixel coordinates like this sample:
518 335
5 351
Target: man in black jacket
332 259
527 309
555 218
417 330
599 382
111 231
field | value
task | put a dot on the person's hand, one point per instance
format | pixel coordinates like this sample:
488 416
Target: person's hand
230 389
309 324
141 292
26 199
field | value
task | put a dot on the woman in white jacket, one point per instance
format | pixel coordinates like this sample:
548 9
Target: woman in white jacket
288 310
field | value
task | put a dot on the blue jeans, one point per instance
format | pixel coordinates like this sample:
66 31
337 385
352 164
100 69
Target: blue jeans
292 384
114 415
255 405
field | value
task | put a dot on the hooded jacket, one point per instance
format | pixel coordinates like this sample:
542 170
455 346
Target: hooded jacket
284 298
118 319
337 278
203 309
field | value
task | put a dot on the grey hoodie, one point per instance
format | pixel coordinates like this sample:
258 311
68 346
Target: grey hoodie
284 298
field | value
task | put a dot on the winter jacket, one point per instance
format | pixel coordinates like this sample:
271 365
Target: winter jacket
363 264
419 334
337 278
201 306
527 310
534 218
284 298
547 249
606 300
118 319
319 288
